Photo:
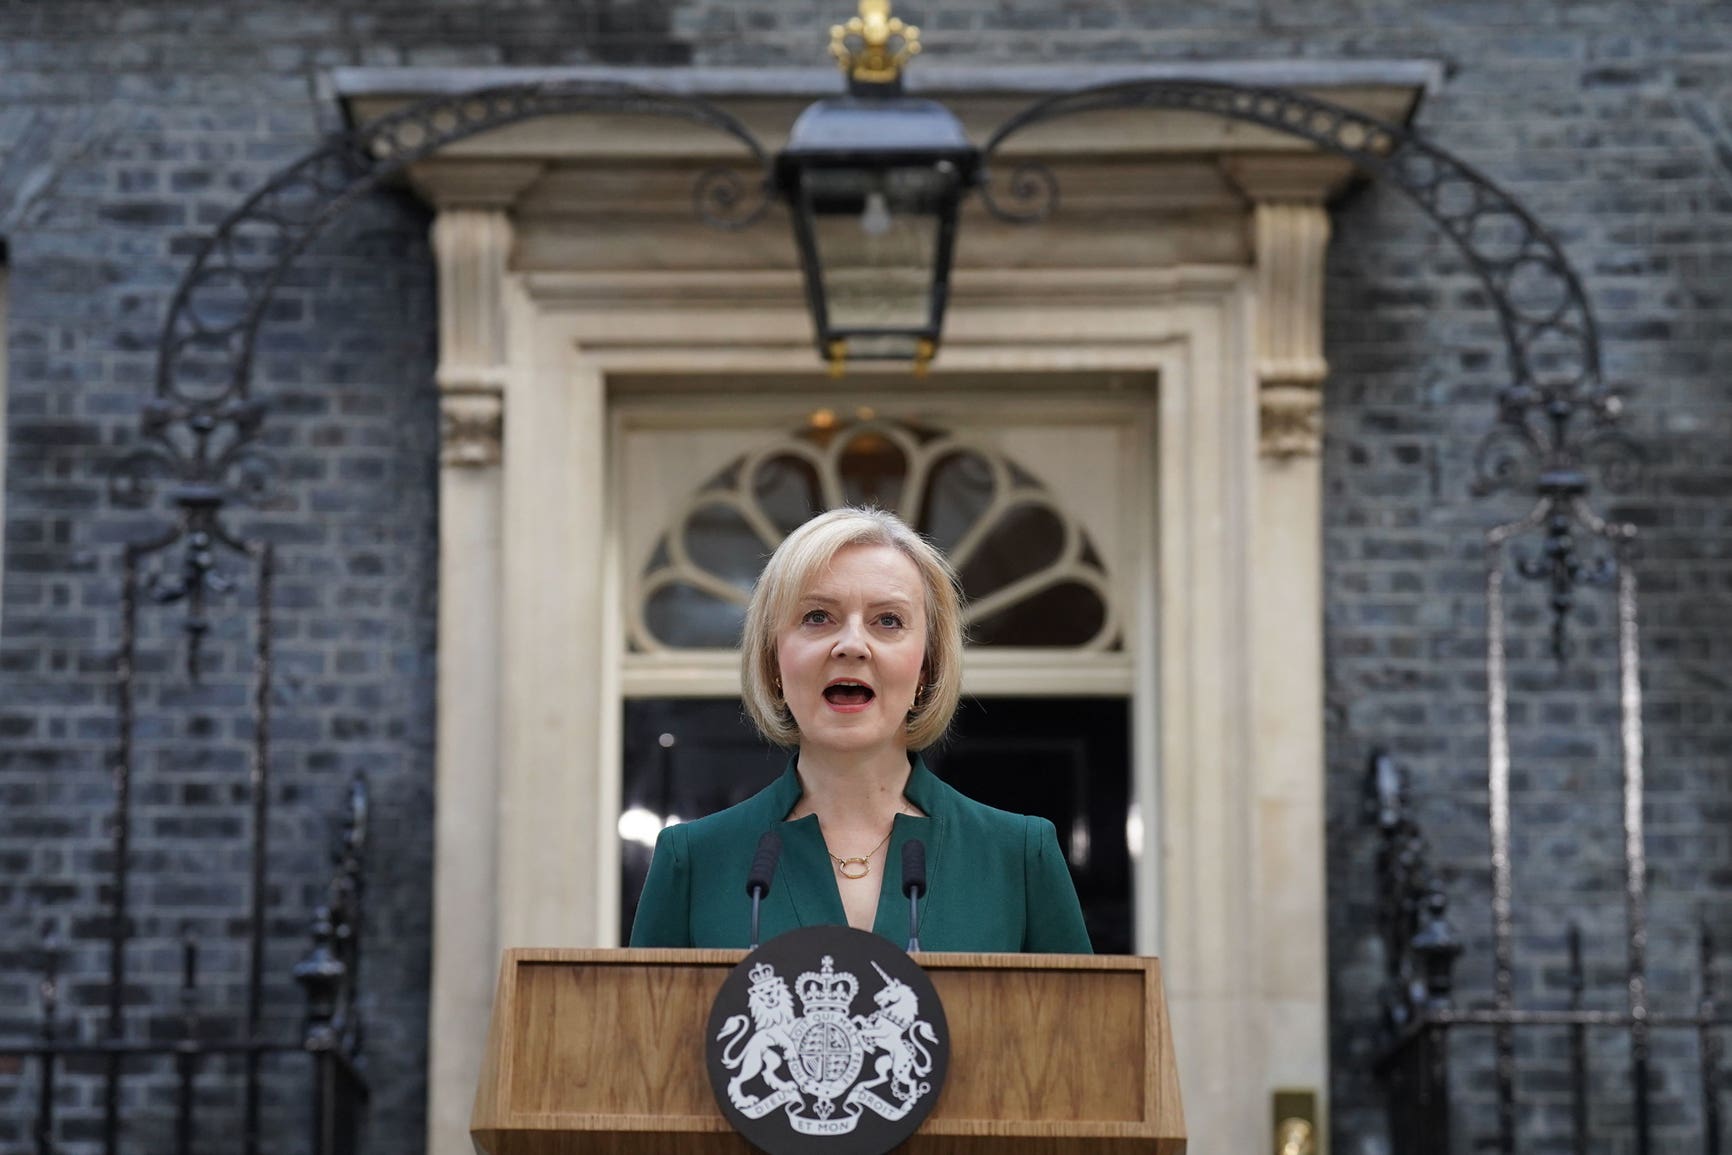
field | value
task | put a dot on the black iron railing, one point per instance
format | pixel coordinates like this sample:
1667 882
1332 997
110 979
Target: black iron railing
1421 1016
329 1041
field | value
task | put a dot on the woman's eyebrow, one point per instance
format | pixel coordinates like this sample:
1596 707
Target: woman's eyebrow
825 598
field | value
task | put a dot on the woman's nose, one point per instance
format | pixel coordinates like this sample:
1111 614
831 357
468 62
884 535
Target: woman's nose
851 642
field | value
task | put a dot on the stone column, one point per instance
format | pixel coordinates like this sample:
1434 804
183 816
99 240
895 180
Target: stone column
1290 228
472 246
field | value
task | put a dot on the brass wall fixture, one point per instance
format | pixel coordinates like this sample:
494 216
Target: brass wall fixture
1296 1130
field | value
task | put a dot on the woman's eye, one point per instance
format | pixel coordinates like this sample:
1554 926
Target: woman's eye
890 621
815 617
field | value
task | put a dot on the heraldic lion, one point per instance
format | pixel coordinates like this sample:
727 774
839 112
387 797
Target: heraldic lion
772 1007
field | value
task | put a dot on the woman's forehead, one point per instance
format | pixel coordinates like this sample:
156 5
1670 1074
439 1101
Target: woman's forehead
877 571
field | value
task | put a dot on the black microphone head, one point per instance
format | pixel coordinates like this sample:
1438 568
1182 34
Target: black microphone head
764 864
913 866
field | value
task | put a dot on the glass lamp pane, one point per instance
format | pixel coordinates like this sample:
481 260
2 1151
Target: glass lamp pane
884 347
877 270
876 235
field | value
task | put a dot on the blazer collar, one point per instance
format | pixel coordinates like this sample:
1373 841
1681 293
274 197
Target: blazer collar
806 876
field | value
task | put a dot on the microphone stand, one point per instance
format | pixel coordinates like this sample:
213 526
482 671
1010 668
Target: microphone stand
763 869
914 886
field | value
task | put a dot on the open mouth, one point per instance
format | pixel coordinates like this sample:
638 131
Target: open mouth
848 693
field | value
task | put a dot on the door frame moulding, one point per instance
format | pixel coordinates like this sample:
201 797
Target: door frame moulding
559 732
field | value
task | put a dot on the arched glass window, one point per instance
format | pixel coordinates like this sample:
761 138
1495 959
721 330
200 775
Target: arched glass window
1030 576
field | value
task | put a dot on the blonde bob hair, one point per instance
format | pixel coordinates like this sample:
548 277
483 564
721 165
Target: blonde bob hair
791 570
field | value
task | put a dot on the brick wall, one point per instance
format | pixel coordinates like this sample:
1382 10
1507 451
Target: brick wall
127 130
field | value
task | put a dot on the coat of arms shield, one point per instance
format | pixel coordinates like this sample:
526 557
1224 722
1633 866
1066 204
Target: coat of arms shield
827 1039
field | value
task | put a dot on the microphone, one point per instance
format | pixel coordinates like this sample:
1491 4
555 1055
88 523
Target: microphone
763 869
914 886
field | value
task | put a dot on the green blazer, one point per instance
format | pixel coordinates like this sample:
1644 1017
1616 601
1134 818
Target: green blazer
995 881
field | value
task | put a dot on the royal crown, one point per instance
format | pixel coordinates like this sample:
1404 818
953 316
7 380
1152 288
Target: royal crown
827 990
761 974
873 46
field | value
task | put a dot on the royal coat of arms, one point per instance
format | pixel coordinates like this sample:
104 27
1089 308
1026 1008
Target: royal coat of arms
806 1050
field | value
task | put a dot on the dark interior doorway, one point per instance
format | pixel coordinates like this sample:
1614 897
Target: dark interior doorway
1065 759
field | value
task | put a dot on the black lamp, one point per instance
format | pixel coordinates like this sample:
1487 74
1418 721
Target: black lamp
873 181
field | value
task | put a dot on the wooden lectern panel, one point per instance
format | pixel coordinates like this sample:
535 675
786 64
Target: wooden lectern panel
602 1051
617 1039
1017 1066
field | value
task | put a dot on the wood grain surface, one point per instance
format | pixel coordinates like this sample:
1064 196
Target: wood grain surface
602 1051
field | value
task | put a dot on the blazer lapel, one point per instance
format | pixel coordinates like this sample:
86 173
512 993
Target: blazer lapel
805 875
927 792
891 920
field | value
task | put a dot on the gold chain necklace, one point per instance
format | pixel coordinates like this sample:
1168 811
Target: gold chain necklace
847 867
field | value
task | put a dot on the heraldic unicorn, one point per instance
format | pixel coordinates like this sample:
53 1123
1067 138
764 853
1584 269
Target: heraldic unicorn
807 1063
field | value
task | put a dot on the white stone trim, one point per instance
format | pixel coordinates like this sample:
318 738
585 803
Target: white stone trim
996 672
471 247
1291 236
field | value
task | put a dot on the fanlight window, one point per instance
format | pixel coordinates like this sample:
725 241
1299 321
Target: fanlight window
1030 576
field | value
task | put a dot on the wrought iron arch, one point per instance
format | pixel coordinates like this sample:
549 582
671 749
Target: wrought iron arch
1556 418
1547 323
201 427
351 165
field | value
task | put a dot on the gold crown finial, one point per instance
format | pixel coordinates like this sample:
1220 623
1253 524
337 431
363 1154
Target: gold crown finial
863 46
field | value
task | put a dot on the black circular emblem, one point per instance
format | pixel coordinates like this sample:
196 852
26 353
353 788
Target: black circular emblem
827 1039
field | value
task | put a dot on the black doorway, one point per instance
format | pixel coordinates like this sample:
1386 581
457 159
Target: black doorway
1065 759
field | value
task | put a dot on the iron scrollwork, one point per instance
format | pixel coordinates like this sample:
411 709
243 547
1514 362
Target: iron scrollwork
1556 417
1420 945
330 972
1556 420
201 428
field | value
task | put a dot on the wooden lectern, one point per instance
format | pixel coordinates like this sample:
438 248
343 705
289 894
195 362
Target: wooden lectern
602 1051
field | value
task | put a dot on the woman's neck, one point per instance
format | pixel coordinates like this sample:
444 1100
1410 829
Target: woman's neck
847 789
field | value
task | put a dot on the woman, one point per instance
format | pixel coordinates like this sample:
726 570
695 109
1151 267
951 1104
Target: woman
852 651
